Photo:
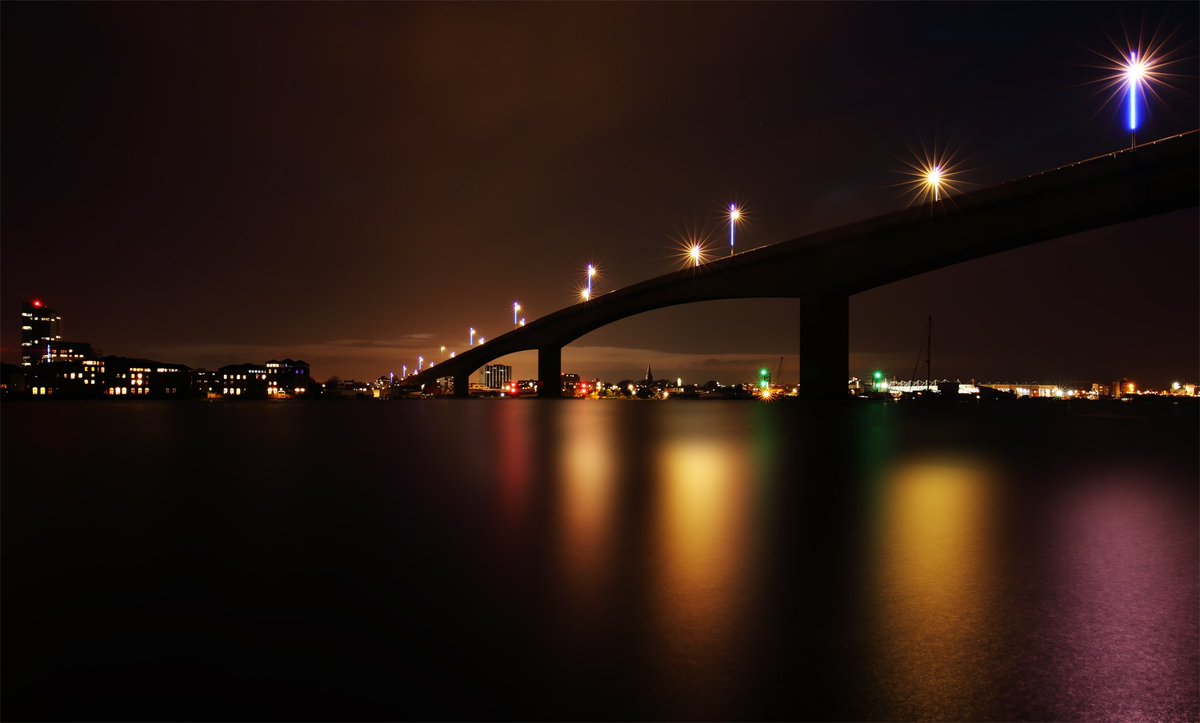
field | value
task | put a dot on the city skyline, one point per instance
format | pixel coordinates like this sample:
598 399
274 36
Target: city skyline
218 209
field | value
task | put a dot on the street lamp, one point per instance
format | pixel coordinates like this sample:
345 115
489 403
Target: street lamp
1135 71
471 342
933 180
932 174
420 363
516 308
735 215
591 274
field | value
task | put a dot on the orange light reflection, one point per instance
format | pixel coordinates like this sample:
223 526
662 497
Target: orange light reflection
702 542
587 481
935 568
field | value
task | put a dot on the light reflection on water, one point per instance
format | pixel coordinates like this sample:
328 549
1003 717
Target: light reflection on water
1117 638
935 572
587 484
600 560
702 546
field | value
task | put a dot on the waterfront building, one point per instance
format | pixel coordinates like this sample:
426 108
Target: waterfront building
276 379
40 326
288 378
1033 390
61 351
145 378
496 376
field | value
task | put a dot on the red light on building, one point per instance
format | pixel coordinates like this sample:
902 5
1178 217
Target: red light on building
37 303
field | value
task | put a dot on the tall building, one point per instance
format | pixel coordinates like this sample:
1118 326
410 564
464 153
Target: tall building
496 376
40 327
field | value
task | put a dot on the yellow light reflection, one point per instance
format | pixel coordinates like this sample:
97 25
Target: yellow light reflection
702 539
587 479
934 577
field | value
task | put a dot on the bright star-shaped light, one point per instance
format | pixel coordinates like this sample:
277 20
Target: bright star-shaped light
585 294
1134 71
691 246
932 176
933 181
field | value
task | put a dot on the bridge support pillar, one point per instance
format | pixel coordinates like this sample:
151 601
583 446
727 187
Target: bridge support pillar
462 385
550 372
824 345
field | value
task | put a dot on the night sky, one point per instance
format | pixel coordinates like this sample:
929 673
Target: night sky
357 184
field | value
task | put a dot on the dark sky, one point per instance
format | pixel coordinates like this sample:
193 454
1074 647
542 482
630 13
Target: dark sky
357 184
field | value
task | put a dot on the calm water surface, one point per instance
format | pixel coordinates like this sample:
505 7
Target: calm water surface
597 560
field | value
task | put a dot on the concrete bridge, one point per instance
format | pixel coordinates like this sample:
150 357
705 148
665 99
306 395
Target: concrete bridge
824 269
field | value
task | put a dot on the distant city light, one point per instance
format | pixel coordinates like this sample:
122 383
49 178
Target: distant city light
471 341
694 254
522 322
420 363
585 294
516 309
37 303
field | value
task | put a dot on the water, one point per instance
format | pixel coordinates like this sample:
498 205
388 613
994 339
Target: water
597 560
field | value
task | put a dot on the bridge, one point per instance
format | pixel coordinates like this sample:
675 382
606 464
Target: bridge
824 269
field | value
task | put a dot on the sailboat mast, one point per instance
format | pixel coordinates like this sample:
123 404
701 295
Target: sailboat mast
929 357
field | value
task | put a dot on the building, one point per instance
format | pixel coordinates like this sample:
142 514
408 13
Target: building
277 379
496 376
145 378
39 326
61 351
51 367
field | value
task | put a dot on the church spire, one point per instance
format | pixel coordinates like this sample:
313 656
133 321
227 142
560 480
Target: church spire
649 374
